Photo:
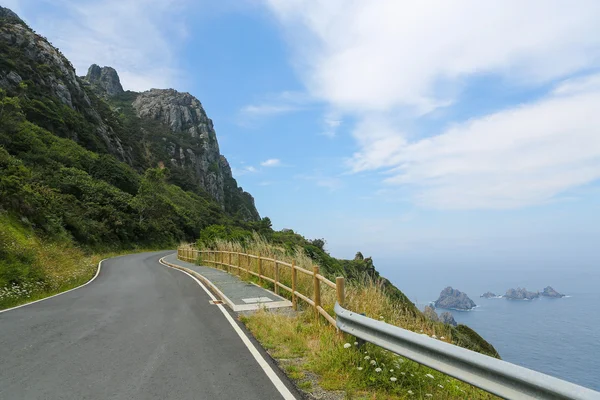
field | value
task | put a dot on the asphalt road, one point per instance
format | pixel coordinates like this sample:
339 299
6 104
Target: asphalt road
139 331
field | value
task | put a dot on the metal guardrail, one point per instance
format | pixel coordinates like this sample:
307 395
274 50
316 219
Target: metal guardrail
495 376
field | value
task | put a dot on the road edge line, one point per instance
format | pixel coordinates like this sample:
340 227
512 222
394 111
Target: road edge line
58 294
277 382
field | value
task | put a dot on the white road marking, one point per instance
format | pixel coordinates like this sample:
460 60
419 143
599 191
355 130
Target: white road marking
257 300
58 294
279 385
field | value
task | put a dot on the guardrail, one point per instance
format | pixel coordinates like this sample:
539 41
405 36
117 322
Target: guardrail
490 374
256 265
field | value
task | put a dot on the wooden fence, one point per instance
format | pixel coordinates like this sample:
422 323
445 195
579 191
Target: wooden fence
241 263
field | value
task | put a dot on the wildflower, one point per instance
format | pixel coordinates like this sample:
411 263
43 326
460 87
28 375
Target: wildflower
403 373
393 379
359 368
410 392
428 395
377 369
356 343
429 376
411 375
367 358
373 362
442 338
441 386
433 336
391 370
381 317
347 345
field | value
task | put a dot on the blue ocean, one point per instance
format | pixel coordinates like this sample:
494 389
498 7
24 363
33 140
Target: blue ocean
559 337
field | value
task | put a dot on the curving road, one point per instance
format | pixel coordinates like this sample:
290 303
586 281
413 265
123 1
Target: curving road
140 330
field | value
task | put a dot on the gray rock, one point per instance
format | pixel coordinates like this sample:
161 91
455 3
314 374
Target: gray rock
447 318
521 294
8 14
488 295
550 292
105 78
430 313
454 299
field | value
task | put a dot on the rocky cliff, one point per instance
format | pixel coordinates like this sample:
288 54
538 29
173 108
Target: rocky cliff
454 299
550 292
156 127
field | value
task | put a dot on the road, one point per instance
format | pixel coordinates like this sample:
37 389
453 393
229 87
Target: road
140 330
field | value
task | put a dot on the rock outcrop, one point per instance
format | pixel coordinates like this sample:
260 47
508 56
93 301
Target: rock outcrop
454 299
430 313
488 295
105 79
550 292
447 318
521 294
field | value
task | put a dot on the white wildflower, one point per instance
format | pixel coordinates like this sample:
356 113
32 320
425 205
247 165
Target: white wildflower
403 373
442 338
347 345
391 370
441 386
356 343
433 336
377 369
359 368
410 392
429 376
393 379
428 395
381 317
367 358
373 362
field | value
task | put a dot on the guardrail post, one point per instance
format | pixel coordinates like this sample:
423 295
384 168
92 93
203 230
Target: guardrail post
294 278
339 288
317 285
260 269
276 273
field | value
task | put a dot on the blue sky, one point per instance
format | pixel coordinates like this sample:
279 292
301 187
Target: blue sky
453 135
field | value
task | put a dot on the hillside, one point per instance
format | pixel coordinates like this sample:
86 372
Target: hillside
86 168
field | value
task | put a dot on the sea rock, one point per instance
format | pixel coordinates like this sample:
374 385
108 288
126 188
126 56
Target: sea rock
550 292
431 314
452 298
521 294
447 318
105 78
488 295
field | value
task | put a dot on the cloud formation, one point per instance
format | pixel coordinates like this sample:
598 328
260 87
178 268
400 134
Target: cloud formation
272 162
386 62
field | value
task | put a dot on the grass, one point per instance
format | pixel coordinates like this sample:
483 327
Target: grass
342 365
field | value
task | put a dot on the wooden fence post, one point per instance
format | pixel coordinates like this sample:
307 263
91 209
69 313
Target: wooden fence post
276 273
229 262
294 277
259 269
317 285
339 287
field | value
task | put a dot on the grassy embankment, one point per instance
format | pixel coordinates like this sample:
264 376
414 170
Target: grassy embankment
305 345
32 268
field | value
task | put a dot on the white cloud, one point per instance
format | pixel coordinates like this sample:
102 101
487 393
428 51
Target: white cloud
365 56
272 162
332 124
249 169
518 157
139 39
267 109
387 62
275 104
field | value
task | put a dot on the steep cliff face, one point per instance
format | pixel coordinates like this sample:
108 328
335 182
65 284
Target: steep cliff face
30 61
105 79
159 126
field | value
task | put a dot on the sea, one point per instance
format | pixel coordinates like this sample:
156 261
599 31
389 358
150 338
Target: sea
559 337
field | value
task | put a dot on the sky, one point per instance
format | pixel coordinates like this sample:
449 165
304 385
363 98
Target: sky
428 132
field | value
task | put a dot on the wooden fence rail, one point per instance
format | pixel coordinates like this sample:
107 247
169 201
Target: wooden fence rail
242 265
